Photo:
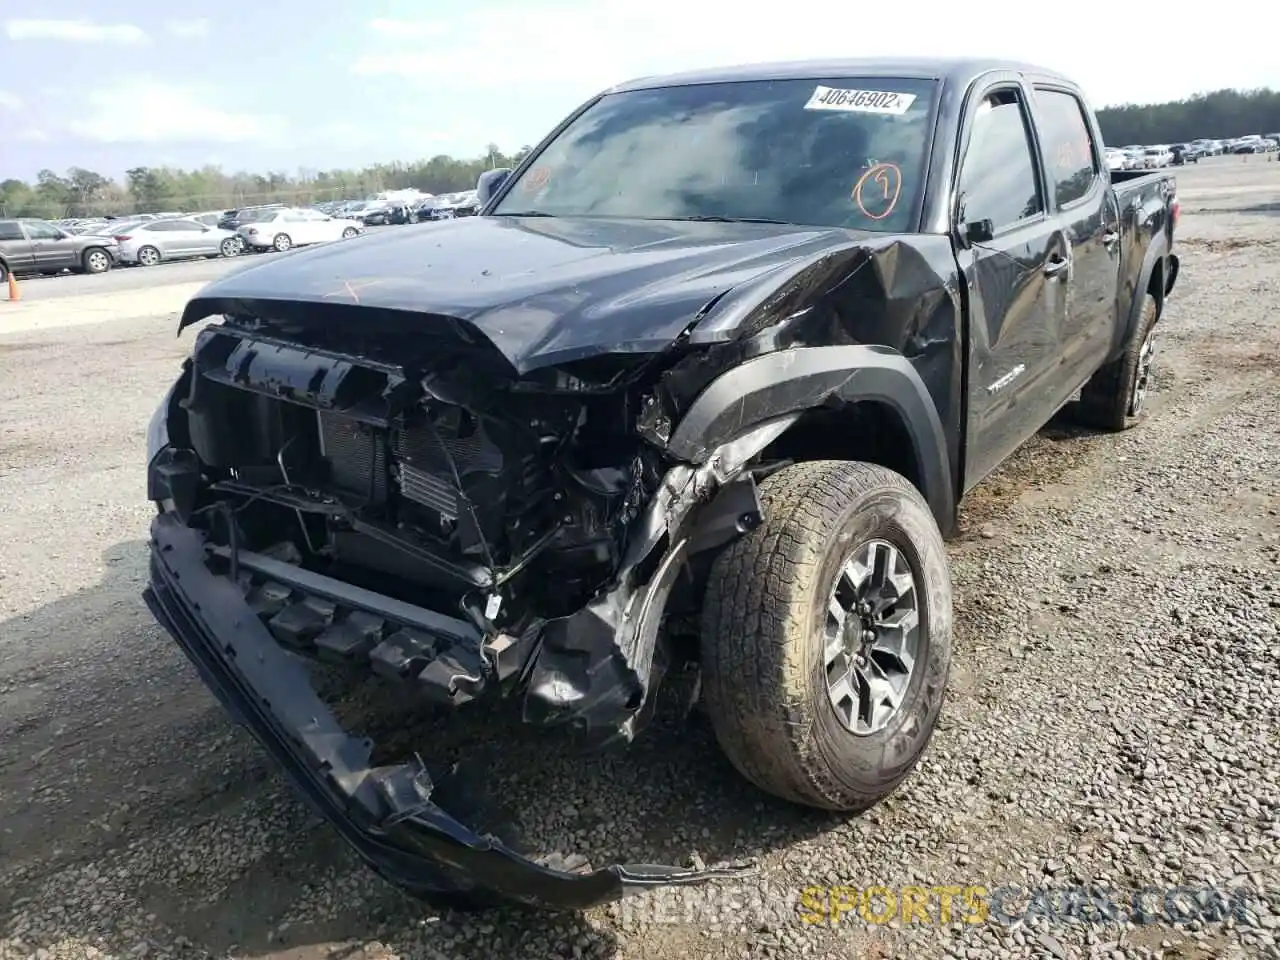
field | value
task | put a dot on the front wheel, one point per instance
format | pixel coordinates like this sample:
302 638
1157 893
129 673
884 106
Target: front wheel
348 233
95 260
282 242
826 636
229 248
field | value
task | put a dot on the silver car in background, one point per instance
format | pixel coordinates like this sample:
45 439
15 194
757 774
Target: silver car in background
146 243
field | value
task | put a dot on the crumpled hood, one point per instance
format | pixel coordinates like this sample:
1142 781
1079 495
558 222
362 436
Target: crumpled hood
544 291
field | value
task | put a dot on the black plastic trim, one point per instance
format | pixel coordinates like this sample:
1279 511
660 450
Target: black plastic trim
803 378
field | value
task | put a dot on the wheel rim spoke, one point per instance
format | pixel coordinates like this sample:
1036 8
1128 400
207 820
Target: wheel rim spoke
878 698
871 637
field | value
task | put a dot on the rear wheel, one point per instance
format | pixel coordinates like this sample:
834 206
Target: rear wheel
229 247
1115 397
4 272
826 636
95 260
148 256
282 242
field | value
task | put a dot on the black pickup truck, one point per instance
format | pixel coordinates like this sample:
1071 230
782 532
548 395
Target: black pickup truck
704 383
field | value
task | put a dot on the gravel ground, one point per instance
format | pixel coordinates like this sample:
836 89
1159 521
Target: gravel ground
1112 719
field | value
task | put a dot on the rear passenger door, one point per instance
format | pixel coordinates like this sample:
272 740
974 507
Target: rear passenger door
159 234
300 229
1086 208
15 248
1015 260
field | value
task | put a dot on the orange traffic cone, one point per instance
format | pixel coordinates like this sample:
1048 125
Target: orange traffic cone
14 292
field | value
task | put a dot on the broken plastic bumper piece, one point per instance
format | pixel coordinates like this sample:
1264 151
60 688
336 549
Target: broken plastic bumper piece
386 813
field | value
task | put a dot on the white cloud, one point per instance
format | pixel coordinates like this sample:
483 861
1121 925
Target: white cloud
10 101
33 135
188 29
75 31
568 49
148 111
409 29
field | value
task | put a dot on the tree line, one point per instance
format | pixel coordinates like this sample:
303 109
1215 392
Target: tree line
80 192
83 192
1219 115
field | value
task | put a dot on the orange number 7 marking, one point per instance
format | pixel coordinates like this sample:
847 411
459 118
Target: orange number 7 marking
888 178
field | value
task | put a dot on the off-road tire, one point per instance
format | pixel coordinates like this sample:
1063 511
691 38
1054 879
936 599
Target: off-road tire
1106 402
761 649
148 256
282 242
95 260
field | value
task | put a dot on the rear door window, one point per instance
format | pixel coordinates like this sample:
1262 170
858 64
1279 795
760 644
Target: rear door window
1068 146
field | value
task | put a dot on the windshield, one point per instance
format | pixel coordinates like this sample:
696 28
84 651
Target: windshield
837 152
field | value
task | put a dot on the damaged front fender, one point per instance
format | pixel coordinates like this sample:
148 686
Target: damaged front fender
598 665
389 814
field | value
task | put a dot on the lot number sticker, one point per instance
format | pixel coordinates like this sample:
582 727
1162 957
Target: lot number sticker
860 101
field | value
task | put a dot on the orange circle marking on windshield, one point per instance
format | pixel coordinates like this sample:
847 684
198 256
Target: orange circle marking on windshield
887 180
537 178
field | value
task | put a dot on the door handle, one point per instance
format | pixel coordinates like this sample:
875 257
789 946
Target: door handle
1110 237
1056 267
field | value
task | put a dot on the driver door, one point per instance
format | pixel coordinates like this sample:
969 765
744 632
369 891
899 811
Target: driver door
1015 260
51 249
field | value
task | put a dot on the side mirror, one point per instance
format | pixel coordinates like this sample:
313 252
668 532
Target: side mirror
979 231
489 183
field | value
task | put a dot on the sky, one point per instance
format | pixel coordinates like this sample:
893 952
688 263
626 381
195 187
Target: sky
281 85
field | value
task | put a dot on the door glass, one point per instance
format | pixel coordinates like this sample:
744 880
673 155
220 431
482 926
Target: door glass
9 230
998 180
43 231
1068 147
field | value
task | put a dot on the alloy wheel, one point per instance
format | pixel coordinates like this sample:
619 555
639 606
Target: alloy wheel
1142 374
872 636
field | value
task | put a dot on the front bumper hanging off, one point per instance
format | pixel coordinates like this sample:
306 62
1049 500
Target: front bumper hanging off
385 813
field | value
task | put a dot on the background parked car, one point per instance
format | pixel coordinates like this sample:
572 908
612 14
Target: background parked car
38 246
232 219
1118 160
376 213
292 227
1158 156
146 244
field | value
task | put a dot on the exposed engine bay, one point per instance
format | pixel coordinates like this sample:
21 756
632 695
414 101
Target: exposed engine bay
413 504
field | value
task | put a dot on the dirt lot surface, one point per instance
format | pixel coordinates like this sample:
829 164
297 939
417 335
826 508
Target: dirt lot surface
1112 719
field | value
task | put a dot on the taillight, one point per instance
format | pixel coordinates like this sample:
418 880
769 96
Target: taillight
121 239
1175 209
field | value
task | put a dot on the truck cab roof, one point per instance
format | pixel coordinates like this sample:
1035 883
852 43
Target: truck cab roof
953 71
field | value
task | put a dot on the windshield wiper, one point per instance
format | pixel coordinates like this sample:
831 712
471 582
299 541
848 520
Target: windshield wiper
712 219
524 213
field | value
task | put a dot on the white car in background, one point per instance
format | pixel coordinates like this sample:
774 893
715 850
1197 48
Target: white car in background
293 227
1158 156
147 242
1118 160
